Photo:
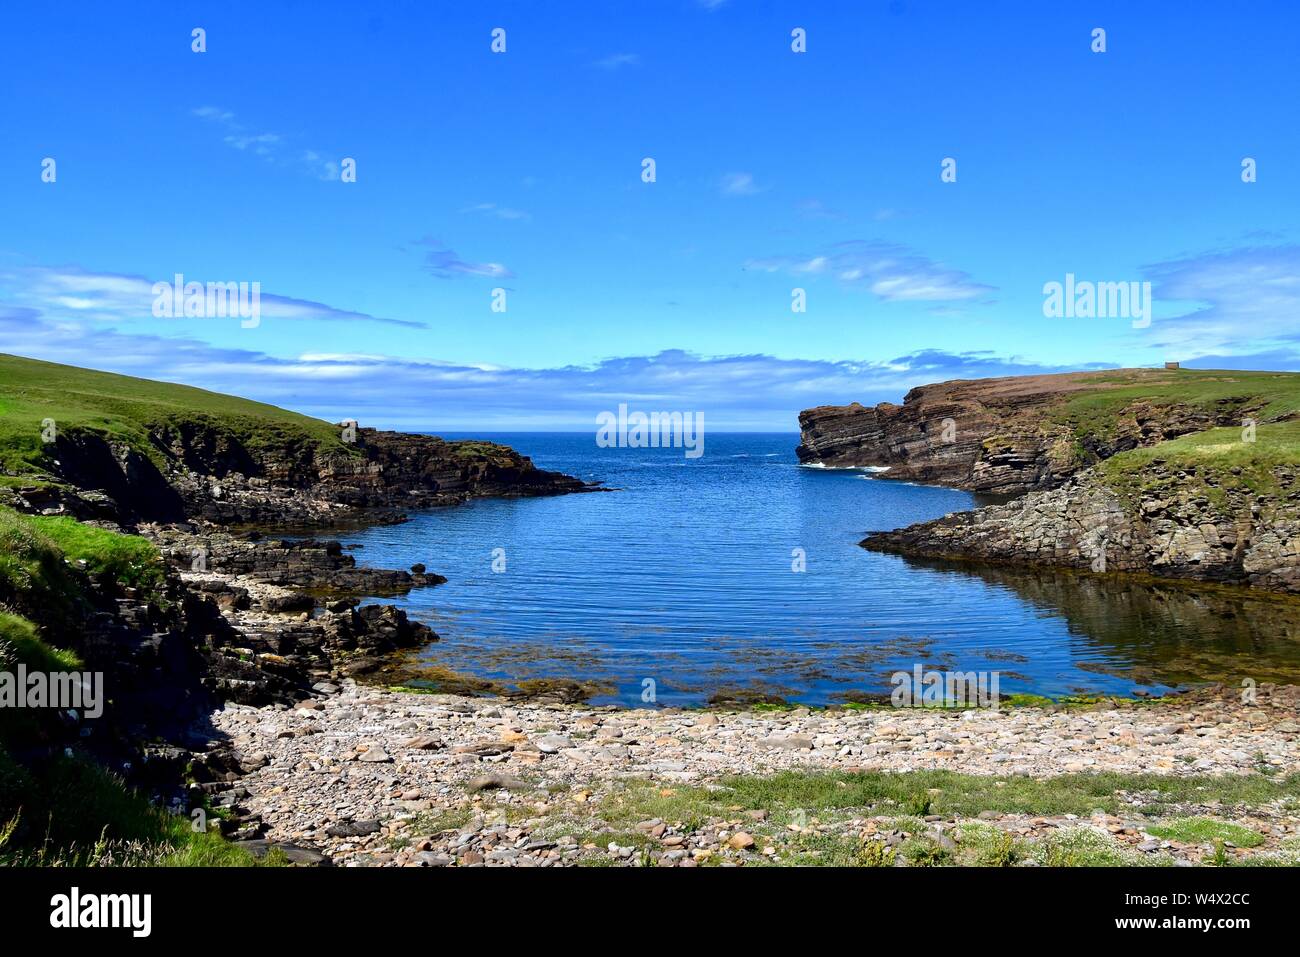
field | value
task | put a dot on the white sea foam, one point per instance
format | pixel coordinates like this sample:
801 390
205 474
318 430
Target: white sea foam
844 468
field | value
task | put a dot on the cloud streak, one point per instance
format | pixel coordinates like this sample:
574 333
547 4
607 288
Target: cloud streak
617 61
890 271
79 294
446 264
743 392
740 184
497 212
1243 299
271 147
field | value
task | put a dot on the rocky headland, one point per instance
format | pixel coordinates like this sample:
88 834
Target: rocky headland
1189 521
208 473
1187 474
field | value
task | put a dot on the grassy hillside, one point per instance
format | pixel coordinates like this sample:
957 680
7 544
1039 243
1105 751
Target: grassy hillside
126 409
45 569
66 810
1216 461
1222 456
73 813
1090 416
1267 396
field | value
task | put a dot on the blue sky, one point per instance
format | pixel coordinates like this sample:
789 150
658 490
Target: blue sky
522 171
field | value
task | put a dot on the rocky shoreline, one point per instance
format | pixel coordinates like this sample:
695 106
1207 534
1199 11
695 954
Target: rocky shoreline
302 756
294 754
1134 471
234 674
234 615
364 776
206 474
1177 522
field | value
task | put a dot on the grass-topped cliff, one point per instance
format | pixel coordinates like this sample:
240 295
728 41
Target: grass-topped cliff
1101 400
98 445
1182 474
1015 434
1232 458
132 411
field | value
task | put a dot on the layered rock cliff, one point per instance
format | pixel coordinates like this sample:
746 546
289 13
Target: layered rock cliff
202 612
209 474
111 447
1186 474
1015 434
1186 525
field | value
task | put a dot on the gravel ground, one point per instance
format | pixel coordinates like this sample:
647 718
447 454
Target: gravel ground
374 777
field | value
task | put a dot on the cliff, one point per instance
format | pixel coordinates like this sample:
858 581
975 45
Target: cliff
109 447
1206 507
1017 434
186 615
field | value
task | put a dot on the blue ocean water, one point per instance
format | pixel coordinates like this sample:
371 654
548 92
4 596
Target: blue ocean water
685 575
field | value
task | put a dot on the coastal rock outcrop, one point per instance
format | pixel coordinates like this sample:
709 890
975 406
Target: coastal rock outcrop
1176 521
321 565
1009 435
1152 471
205 472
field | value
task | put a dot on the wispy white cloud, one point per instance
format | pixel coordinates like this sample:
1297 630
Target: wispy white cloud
739 184
890 271
272 147
263 144
616 61
1240 300
216 114
498 212
446 264
70 292
734 392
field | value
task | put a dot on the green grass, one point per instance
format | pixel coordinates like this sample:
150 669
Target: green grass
949 793
1267 396
128 560
1082 847
35 580
1088 419
127 409
75 814
834 801
1219 458
1205 830
452 819
21 644
983 845
37 575
44 601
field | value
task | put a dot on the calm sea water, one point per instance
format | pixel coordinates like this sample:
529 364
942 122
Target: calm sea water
685 575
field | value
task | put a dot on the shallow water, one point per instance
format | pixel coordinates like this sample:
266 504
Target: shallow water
685 576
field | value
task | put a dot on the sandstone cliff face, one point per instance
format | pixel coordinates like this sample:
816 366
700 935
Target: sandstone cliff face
1180 523
208 473
997 436
1195 511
